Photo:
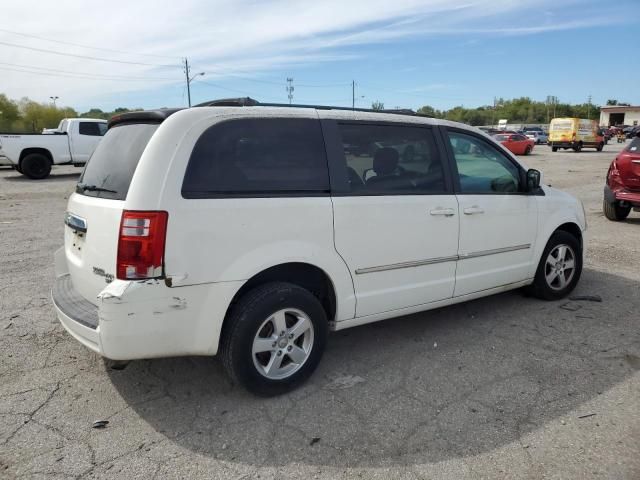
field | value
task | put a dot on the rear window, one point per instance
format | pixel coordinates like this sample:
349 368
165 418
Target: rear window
110 169
562 125
258 157
634 146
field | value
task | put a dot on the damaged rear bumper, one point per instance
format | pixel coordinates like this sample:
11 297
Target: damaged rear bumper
144 319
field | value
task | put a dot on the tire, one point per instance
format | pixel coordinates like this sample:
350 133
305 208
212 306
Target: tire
17 168
548 286
614 212
35 166
554 149
265 318
527 150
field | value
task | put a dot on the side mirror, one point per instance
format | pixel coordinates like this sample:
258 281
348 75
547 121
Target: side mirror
534 177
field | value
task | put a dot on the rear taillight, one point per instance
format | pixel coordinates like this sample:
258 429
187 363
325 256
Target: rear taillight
141 244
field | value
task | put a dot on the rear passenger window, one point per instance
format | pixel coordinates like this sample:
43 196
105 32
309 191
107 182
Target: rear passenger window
389 159
91 128
264 157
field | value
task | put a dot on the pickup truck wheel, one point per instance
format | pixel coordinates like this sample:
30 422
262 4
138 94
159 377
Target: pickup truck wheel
614 212
274 338
35 166
559 269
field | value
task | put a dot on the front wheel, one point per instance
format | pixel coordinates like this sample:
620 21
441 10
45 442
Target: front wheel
527 150
614 212
559 269
274 338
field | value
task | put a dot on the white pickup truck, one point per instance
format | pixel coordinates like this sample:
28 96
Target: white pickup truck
72 143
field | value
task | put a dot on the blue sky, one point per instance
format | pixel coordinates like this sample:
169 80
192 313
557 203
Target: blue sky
406 53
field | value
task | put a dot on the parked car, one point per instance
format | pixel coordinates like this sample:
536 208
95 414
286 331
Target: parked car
249 232
538 137
33 154
516 143
622 189
575 133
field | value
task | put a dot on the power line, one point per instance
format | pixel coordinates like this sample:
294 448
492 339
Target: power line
123 77
86 57
79 76
27 35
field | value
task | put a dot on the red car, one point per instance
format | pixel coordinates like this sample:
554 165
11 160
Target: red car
516 143
622 190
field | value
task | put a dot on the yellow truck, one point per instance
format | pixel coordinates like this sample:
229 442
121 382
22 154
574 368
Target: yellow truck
575 133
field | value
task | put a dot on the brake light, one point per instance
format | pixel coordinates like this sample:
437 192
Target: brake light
141 241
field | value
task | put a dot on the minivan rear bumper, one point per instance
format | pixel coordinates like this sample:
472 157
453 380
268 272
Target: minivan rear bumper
144 319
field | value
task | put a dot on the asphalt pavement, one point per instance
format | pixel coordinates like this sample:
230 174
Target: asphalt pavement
502 387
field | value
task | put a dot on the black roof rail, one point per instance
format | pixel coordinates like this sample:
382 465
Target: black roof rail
250 102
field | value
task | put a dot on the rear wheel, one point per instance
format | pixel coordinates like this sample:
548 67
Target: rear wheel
559 269
35 166
613 211
274 338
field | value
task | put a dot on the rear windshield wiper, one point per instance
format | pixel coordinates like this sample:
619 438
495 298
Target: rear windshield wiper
92 188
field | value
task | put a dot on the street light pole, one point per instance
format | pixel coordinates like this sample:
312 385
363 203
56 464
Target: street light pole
54 98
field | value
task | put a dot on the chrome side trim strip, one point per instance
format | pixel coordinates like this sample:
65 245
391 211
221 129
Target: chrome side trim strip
432 261
416 263
484 253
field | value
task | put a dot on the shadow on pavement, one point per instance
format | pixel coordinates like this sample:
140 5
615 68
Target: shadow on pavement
54 177
453 382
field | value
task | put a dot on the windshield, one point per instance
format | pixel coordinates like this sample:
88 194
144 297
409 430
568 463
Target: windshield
110 169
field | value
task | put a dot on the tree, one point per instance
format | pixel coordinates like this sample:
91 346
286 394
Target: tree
612 101
377 105
9 113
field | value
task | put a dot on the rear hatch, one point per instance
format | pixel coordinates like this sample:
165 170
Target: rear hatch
95 209
629 165
561 130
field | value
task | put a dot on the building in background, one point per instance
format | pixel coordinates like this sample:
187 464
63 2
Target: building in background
619 115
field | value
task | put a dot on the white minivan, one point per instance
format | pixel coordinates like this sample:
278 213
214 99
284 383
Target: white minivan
252 231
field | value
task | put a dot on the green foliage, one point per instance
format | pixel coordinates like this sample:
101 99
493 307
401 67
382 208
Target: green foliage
517 110
377 105
29 116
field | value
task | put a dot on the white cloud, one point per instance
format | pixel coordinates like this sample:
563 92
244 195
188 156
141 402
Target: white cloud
240 37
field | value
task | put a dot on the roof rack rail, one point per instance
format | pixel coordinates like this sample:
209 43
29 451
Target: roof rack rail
250 102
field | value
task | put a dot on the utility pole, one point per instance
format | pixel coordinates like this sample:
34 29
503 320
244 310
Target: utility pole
186 76
353 94
289 88
589 107
189 79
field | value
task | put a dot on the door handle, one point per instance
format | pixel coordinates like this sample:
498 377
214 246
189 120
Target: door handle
473 210
447 212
